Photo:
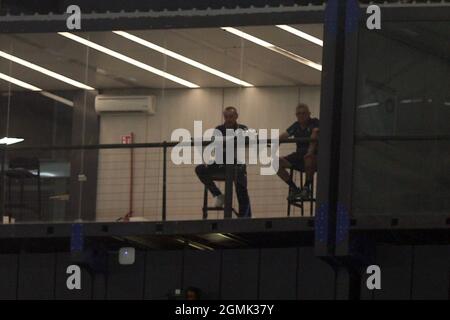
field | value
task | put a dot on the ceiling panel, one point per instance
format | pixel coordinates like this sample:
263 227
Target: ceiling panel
211 46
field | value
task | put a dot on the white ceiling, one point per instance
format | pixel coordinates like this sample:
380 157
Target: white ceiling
214 47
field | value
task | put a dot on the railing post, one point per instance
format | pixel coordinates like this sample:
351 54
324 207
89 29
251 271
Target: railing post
229 177
164 195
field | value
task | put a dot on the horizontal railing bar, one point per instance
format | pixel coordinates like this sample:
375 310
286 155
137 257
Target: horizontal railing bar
136 145
363 138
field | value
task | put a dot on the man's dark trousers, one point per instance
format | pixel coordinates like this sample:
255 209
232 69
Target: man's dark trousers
206 173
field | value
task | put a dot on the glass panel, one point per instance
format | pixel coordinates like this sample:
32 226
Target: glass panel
403 107
97 88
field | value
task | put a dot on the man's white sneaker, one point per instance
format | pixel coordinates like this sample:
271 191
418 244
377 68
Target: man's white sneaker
219 201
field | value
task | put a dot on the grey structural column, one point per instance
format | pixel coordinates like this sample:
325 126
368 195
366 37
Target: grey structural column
330 119
332 225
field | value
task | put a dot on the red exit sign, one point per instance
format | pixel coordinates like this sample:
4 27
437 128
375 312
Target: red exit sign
127 139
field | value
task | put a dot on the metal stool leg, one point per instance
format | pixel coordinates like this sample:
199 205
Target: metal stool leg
39 194
311 201
291 174
205 204
22 183
9 191
302 202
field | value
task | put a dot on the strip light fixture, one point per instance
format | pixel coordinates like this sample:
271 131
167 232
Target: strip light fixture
182 58
8 141
368 105
57 98
44 71
300 34
19 83
129 60
273 47
28 86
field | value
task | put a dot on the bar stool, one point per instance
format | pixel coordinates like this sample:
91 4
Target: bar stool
21 170
206 208
300 203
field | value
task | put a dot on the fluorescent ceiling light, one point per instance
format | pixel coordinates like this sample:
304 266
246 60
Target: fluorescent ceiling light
19 82
368 105
184 59
28 86
57 98
129 60
195 245
406 101
272 47
9 141
301 34
47 174
44 71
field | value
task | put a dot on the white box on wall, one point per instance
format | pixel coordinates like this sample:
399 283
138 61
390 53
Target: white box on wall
105 103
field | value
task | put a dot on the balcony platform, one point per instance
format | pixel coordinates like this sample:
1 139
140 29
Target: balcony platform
222 234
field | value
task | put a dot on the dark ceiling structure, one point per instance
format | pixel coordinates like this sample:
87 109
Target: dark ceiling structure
59 6
29 7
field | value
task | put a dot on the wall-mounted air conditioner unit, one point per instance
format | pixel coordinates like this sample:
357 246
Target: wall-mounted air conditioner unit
145 104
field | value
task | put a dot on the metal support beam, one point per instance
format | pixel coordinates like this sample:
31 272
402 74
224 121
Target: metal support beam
330 118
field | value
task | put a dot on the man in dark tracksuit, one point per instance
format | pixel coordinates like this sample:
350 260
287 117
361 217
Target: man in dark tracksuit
206 172
304 159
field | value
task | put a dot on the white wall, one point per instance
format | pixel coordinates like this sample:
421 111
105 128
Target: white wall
179 108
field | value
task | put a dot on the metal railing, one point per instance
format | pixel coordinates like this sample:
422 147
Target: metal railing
165 146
